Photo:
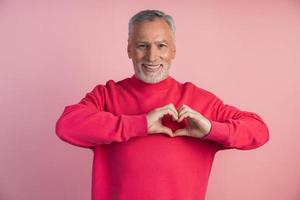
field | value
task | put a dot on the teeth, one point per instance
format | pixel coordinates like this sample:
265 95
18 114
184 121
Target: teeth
152 68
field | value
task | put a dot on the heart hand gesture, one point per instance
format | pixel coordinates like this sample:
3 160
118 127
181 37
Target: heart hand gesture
154 119
198 125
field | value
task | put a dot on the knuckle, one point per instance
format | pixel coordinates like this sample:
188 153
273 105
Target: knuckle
171 105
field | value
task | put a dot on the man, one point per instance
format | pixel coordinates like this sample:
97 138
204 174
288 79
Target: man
153 137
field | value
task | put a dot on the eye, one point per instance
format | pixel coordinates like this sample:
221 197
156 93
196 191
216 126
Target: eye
162 45
141 46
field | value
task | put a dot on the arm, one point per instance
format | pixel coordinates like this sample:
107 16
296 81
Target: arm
87 124
233 128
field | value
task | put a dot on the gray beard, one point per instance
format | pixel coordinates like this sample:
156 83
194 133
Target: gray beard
155 78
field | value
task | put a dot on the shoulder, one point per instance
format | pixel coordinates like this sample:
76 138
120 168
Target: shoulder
197 90
201 95
110 85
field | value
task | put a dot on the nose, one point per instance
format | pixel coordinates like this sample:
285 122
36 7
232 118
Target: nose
152 54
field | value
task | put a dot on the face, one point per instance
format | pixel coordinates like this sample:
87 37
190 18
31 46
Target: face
151 48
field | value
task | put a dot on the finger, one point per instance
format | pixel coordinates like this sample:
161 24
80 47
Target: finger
184 110
185 115
184 107
181 115
172 107
180 109
163 107
169 109
175 111
166 131
180 132
168 105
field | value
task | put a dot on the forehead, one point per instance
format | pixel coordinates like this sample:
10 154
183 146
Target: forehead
157 29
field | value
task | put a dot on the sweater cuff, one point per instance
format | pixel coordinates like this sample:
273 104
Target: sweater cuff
136 125
219 132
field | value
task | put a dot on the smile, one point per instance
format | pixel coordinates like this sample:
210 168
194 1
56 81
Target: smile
152 68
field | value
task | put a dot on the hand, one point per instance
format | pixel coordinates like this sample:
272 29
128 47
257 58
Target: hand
154 119
198 125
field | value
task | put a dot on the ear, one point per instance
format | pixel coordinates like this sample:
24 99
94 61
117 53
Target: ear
129 53
173 52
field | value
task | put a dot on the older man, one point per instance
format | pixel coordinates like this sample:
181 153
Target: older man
152 136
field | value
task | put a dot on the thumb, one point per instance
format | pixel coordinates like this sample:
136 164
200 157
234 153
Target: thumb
180 132
166 131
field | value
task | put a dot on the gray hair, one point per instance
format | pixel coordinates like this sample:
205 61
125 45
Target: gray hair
150 15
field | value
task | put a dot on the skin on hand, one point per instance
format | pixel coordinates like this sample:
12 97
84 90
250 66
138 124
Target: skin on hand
198 125
154 119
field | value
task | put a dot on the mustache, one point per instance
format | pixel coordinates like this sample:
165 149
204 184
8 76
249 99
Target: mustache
152 63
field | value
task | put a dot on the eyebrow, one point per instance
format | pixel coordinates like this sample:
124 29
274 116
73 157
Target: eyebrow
160 41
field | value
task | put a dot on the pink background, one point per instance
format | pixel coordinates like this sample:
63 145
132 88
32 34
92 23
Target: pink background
53 52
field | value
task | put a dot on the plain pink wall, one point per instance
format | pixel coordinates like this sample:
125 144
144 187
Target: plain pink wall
53 52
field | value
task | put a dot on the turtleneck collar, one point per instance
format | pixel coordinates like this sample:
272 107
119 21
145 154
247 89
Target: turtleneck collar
141 85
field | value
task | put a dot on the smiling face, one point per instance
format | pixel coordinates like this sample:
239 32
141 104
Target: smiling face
151 48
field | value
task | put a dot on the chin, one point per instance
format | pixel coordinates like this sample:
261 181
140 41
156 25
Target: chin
142 75
151 79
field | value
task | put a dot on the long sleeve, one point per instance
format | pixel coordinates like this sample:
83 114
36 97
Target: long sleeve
233 128
87 124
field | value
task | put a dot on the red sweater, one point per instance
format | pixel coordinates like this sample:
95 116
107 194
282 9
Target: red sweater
131 165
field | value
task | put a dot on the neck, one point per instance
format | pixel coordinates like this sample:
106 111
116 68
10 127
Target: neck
139 84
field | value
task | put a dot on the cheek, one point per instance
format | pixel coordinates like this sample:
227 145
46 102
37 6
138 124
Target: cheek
167 57
167 54
137 58
139 54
